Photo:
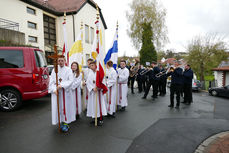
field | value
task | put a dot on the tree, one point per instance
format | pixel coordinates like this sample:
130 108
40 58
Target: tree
206 52
147 11
160 55
147 52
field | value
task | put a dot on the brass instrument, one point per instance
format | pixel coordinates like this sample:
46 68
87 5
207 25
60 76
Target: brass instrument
145 71
134 70
170 69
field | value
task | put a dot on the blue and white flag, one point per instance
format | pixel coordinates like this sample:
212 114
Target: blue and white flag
112 53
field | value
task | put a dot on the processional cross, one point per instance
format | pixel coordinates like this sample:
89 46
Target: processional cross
55 58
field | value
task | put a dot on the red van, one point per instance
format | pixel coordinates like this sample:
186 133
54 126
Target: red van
23 76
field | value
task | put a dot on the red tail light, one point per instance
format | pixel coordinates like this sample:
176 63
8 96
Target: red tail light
194 83
35 77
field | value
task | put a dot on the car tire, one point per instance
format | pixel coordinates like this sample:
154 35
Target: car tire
214 93
10 100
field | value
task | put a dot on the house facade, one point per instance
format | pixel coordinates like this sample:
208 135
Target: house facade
221 74
42 22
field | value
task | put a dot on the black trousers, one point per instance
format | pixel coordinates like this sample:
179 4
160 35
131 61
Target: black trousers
132 79
155 88
139 85
164 82
175 89
187 93
149 84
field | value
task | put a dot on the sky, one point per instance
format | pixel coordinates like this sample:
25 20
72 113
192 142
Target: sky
185 19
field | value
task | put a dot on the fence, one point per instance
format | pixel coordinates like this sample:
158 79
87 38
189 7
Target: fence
7 24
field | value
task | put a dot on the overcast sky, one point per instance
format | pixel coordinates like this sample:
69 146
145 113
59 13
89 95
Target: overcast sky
185 19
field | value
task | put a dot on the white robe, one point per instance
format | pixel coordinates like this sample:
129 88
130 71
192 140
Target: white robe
92 97
76 91
67 111
85 91
111 75
122 86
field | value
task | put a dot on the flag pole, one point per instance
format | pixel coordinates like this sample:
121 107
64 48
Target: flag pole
97 33
117 78
84 105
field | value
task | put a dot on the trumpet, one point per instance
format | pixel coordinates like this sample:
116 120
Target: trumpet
170 69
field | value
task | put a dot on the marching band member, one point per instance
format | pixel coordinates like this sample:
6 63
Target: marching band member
76 89
111 75
133 73
188 76
176 84
123 74
92 91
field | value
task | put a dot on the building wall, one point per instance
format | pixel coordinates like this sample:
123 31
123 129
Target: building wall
12 36
219 78
15 10
227 78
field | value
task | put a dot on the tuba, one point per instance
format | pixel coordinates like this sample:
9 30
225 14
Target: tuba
133 71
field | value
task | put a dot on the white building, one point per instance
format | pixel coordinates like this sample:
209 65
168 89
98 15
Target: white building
221 74
41 21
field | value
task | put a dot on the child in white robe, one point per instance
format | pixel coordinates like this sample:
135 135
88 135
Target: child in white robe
76 88
94 92
111 79
66 106
123 74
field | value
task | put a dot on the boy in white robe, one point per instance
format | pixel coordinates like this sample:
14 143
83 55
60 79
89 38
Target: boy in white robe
92 91
76 88
123 74
85 76
111 76
66 106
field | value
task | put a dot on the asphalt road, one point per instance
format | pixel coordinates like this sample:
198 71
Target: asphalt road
146 126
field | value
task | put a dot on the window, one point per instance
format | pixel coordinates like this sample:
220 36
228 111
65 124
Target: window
87 57
49 30
11 59
92 35
40 59
31 11
86 33
32 25
32 39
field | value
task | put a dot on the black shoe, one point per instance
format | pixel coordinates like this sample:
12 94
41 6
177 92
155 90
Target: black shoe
188 103
170 106
99 123
77 116
144 97
183 102
92 122
132 92
177 107
123 108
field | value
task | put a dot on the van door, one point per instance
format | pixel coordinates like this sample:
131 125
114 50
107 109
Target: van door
40 74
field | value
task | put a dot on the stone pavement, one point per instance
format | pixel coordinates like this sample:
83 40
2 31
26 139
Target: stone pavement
218 143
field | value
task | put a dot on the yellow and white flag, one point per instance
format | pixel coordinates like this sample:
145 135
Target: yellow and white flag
76 52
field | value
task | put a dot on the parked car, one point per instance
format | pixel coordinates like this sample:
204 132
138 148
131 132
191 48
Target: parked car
196 85
219 91
50 68
23 76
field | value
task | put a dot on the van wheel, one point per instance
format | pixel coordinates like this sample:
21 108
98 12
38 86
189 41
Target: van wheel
9 100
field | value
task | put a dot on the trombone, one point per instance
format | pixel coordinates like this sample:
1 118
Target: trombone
145 71
170 69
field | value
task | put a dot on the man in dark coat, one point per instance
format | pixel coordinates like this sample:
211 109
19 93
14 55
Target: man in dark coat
188 76
176 84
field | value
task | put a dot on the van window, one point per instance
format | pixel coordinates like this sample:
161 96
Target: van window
40 59
11 59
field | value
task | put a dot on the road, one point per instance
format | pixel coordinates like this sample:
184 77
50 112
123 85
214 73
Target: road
146 126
